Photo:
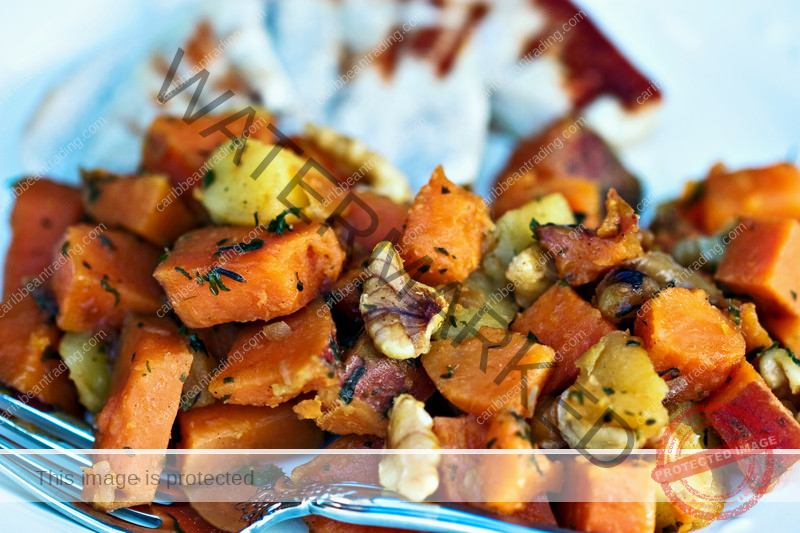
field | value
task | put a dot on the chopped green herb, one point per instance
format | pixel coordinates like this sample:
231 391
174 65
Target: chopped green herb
532 337
452 320
650 421
423 269
241 248
255 216
445 190
224 398
733 311
222 241
65 249
209 178
228 380
491 443
109 288
449 374
279 225
578 395
163 258
442 270
441 250
533 225
214 279
183 377
175 525
369 307
183 271
633 343
334 350
299 283
608 390
794 295
128 454
348 389
149 368
87 265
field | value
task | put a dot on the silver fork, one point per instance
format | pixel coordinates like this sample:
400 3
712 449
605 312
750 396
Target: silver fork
368 505
57 433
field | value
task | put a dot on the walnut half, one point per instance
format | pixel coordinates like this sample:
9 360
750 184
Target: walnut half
399 314
413 475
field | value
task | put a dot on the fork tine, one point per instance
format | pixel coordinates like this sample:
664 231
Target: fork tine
66 489
69 433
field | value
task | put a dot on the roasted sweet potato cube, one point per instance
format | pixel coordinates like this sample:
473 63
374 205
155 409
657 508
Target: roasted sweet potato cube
29 360
145 394
689 340
621 499
761 262
364 392
447 225
768 191
144 205
567 323
42 213
180 151
755 336
328 468
106 274
747 415
236 274
483 374
273 363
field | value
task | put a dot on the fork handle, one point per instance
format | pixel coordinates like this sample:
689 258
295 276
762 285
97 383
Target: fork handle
385 512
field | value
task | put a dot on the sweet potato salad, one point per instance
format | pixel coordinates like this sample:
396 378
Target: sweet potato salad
232 295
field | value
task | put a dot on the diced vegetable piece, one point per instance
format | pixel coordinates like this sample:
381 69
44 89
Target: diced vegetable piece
582 195
483 374
537 512
232 196
479 297
448 225
761 262
786 329
320 524
561 151
583 256
513 233
690 340
106 275
688 515
755 336
366 389
178 150
767 191
609 500
567 323
508 481
327 468
617 384
269 366
209 281
140 411
391 219
144 205
459 479
41 215
29 359
775 427
204 366
87 360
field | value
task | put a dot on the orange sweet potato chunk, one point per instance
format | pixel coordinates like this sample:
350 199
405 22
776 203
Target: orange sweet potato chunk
448 225
29 359
41 215
689 339
145 394
755 336
272 364
178 150
786 328
761 262
272 275
456 371
768 191
770 426
567 323
337 468
364 392
621 499
144 205
458 473
583 256
106 274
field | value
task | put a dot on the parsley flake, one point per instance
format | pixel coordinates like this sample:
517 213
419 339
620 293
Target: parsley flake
279 224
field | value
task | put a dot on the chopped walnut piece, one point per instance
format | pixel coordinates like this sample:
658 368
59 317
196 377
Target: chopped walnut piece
399 314
277 331
413 475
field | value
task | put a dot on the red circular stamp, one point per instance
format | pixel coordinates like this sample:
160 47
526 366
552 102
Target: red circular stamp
721 482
